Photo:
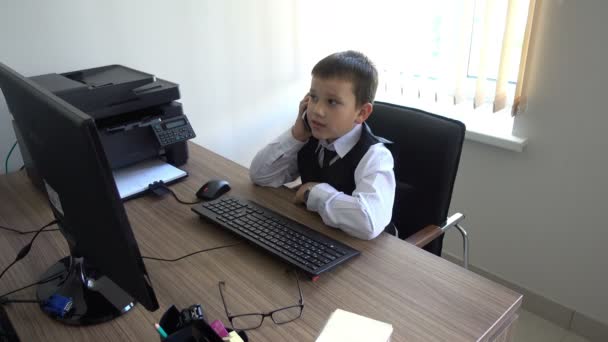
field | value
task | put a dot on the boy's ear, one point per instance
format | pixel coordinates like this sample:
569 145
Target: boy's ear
364 112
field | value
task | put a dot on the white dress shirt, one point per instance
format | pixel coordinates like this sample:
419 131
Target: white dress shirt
366 213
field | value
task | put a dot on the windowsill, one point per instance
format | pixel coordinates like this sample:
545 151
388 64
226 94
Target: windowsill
483 126
507 142
494 129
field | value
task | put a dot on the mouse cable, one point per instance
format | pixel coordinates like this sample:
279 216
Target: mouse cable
182 201
193 253
25 232
160 187
26 249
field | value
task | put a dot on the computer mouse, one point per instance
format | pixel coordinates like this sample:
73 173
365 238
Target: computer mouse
213 189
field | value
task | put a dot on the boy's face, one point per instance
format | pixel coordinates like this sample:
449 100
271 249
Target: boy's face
332 109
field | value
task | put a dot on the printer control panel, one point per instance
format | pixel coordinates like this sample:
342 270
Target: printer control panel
173 130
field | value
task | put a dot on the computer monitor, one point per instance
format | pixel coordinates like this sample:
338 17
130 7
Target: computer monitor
104 274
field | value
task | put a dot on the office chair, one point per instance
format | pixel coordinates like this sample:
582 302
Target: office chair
426 149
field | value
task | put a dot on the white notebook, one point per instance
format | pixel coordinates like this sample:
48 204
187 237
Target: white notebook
134 179
350 327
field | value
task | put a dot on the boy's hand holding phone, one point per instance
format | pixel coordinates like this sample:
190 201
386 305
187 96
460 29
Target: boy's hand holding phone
301 130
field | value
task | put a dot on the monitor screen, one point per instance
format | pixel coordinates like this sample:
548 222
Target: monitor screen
104 274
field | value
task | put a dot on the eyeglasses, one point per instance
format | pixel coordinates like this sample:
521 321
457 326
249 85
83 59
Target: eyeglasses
249 321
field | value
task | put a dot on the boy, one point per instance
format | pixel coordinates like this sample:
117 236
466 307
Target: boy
347 172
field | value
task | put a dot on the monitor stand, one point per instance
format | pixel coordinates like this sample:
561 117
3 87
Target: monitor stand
95 298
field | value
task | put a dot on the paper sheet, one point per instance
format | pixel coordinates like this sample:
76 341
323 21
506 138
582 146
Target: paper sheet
347 326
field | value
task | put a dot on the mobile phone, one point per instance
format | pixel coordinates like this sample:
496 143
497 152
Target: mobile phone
305 119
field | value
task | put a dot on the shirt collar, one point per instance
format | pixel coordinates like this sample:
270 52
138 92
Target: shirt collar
345 143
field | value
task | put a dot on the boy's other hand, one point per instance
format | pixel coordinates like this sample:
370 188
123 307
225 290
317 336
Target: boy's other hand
300 193
299 131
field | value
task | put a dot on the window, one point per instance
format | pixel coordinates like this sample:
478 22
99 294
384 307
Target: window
454 57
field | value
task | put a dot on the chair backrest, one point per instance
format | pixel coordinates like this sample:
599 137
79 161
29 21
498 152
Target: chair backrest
426 148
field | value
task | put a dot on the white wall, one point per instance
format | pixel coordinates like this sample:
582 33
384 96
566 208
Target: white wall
537 218
235 61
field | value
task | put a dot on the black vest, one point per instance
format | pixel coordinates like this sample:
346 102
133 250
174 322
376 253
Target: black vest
340 174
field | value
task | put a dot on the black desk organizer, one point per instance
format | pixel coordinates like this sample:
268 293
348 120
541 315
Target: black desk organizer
198 331
7 331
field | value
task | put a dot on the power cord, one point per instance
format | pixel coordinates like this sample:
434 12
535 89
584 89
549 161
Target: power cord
5 300
7 158
25 232
26 249
193 253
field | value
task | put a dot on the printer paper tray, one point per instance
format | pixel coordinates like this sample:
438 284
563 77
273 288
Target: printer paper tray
135 179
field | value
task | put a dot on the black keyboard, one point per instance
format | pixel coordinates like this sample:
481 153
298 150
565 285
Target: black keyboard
286 239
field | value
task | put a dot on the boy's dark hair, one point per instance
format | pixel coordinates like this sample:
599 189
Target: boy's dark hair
352 66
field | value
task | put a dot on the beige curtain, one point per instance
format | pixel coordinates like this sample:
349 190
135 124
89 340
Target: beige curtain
468 49
508 60
514 33
519 102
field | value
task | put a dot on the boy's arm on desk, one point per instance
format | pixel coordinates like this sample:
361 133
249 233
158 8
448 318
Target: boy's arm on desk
277 163
368 211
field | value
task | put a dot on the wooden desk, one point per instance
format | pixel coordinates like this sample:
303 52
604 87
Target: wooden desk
425 297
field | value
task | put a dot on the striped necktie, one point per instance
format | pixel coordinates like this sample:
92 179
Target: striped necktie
328 156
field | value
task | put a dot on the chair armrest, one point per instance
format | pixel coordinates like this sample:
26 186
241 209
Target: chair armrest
424 236
452 221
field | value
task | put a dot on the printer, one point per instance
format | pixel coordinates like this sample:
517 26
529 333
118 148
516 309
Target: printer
136 114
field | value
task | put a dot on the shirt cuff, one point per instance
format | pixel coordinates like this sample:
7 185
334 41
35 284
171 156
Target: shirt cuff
319 195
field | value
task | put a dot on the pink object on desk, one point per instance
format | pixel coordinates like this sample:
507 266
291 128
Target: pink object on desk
219 328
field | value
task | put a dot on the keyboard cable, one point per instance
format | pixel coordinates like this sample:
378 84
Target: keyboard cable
4 300
191 254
